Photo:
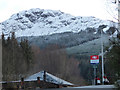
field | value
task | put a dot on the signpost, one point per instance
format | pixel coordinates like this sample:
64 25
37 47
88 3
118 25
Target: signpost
94 60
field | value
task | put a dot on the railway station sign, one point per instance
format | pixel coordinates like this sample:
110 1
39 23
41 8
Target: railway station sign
94 59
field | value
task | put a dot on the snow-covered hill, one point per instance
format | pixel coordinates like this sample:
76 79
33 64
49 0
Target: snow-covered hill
39 22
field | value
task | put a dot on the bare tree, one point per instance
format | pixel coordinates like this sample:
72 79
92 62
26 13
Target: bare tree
57 62
113 8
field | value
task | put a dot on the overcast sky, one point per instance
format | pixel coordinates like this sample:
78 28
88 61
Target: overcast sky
74 7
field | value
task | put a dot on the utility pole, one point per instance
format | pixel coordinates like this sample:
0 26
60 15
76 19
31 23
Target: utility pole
102 58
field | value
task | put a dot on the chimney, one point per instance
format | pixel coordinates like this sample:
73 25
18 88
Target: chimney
44 76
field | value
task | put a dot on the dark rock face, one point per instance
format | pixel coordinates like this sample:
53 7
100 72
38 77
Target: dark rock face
111 30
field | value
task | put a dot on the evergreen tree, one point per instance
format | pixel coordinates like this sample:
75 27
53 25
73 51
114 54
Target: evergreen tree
113 60
27 52
16 58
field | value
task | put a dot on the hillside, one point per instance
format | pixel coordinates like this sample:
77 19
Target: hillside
90 48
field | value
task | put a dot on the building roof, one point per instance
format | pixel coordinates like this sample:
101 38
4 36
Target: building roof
49 78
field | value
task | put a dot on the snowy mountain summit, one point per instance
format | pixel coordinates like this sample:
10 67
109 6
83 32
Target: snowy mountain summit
39 22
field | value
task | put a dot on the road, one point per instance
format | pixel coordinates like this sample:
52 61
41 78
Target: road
93 87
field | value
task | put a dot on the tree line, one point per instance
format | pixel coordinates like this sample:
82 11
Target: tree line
112 60
19 59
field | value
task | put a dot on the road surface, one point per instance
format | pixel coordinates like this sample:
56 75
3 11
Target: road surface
93 87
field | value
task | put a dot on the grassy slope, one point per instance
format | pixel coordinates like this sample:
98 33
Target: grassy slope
90 48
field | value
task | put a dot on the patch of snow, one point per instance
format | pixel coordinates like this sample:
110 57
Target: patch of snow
105 29
95 33
115 34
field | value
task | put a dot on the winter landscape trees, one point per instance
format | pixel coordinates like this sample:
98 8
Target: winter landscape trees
112 61
58 63
15 58
113 8
49 52
21 60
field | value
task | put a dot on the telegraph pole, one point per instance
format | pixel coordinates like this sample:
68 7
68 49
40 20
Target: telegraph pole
102 58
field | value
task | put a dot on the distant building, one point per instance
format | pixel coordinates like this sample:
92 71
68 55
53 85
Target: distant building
49 78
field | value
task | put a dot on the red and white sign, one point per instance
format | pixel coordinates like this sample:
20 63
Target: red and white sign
94 59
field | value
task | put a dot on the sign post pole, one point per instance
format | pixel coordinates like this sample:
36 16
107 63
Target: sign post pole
95 68
94 60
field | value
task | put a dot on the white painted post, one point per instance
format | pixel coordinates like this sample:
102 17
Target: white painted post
102 58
